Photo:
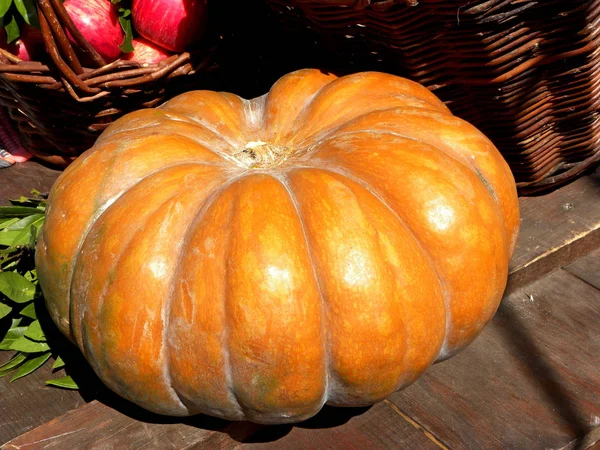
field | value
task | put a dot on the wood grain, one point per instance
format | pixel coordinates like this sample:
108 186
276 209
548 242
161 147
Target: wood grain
27 402
531 379
556 229
587 268
97 426
380 427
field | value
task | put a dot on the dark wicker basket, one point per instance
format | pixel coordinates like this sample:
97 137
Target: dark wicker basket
60 107
526 72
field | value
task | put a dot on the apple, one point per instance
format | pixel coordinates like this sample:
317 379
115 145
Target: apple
29 46
98 22
172 24
145 52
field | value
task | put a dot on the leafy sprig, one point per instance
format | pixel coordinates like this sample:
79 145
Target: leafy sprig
12 15
125 22
20 297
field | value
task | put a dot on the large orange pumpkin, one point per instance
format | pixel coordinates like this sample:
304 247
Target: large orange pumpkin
326 242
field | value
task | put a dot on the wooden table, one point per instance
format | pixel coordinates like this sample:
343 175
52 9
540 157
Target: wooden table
530 381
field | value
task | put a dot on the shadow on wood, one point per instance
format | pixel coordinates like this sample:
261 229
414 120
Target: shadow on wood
524 348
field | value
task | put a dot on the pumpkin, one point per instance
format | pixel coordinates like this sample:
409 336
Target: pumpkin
255 259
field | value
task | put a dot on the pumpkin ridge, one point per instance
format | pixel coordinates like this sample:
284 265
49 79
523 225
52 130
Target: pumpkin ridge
465 162
283 180
190 121
505 175
93 220
226 307
442 283
331 88
72 173
210 200
114 381
327 134
191 139
176 406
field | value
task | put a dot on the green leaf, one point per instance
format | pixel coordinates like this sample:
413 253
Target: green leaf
17 211
8 237
5 310
5 223
12 29
13 363
26 221
4 7
30 365
28 11
11 337
33 234
23 344
16 287
10 265
31 275
125 21
35 332
29 311
64 382
58 364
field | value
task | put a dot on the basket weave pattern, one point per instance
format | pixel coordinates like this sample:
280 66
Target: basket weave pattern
60 107
526 72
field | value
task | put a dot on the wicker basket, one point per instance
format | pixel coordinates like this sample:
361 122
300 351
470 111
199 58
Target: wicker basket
526 72
60 107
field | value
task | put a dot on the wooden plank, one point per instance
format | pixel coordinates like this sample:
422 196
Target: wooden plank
28 403
531 380
382 426
591 441
556 229
97 426
20 179
587 268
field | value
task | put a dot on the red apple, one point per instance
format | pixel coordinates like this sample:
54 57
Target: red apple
146 52
99 23
172 24
29 46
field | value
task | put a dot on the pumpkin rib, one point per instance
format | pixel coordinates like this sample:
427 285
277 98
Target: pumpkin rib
208 203
499 249
191 138
442 283
505 175
282 178
94 218
288 98
89 351
172 116
226 329
462 161
328 131
198 312
338 88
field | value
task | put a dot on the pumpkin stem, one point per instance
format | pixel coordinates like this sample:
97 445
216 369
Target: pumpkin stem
261 155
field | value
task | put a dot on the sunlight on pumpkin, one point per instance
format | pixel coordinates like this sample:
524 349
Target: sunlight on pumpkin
158 267
440 215
357 268
278 279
